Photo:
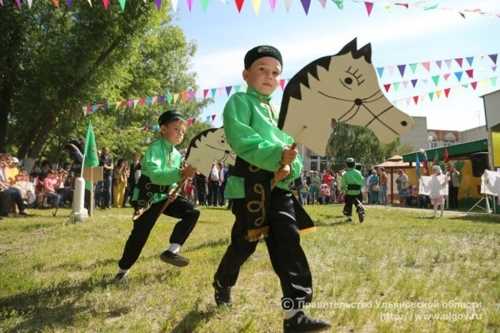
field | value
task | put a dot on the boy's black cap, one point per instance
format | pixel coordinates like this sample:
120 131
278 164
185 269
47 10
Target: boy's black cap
260 52
169 116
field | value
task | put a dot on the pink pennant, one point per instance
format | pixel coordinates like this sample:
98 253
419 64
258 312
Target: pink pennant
470 73
415 99
190 4
142 101
369 7
447 92
427 65
105 3
205 93
446 76
18 4
387 87
282 84
474 85
190 121
1 3
323 3
272 4
460 61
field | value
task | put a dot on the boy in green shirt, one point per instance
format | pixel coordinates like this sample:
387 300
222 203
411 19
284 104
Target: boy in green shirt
161 170
265 155
352 182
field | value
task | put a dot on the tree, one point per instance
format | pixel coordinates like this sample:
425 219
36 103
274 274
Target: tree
361 144
57 60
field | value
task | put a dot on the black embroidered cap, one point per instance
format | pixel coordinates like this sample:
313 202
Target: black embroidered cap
260 52
169 116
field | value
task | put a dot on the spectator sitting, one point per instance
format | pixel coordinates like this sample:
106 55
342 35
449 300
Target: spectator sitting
14 194
50 184
26 187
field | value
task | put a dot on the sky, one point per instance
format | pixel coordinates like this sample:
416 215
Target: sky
397 36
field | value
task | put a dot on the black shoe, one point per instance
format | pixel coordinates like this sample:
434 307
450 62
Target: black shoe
174 259
302 323
361 217
222 295
348 219
120 277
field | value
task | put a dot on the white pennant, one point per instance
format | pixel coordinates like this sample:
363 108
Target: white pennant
288 4
30 2
90 2
174 5
256 6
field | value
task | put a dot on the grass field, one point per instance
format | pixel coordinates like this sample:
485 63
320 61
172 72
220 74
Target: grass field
398 272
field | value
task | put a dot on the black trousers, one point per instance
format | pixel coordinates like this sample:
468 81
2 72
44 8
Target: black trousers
283 244
453 192
353 200
180 208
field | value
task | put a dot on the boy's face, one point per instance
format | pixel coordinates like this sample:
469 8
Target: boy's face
174 131
263 75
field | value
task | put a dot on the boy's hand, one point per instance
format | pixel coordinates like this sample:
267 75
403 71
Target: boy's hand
288 155
188 172
282 173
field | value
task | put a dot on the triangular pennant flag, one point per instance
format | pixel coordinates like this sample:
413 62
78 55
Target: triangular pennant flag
213 92
446 76
431 95
306 4
204 5
474 85
18 4
174 4
69 3
90 2
142 101
154 100
158 4
105 3
405 84
272 5
470 60
369 7
465 85
414 82
213 117
438 93
447 92
161 99
122 4
425 81
413 67
288 5
220 91
282 84
431 7
30 2
205 93
435 78
387 87
494 68
391 70
493 58
458 75
175 98
170 98
470 73
239 4
208 118
323 3
136 101
493 81
415 99
149 100
427 65
256 6
380 71
237 88
448 62
130 103
228 90
459 61
55 3
1 3
402 69
189 4
396 86
439 63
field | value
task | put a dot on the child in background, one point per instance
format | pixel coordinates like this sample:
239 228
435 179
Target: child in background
437 186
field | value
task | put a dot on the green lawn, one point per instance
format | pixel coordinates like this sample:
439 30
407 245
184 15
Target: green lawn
398 272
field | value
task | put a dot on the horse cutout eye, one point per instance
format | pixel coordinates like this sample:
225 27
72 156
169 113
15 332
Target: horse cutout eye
348 80
222 141
404 123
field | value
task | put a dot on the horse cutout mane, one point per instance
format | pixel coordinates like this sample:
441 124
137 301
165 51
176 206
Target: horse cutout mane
341 87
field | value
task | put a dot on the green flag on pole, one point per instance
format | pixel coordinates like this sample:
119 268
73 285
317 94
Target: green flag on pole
90 158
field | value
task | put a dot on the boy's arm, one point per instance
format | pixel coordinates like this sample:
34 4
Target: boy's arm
151 165
245 141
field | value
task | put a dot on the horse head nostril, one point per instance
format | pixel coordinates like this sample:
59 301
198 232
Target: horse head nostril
358 101
227 151
404 123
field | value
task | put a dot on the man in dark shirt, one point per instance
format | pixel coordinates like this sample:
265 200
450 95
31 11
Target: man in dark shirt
106 161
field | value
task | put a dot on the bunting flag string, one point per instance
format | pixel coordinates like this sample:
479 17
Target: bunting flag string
190 94
368 6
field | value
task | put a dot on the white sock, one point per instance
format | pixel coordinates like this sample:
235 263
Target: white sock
174 248
290 313
120 270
